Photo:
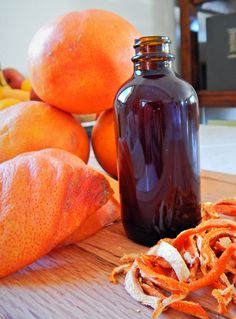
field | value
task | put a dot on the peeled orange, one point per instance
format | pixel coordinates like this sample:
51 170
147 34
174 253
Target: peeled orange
44 199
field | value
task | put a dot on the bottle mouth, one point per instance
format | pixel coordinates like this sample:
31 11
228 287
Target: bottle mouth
152 47
151 40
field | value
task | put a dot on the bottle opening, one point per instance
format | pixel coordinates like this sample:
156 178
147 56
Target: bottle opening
151 40
152 48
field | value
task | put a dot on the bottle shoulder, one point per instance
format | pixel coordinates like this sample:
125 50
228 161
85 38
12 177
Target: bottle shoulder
159 86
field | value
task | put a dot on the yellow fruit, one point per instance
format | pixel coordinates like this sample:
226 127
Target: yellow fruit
3 81
4 103
26 85
7 92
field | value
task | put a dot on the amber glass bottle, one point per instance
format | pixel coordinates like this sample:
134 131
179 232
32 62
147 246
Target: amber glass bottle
157 123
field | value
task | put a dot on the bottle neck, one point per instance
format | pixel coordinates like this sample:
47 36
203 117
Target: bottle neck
152 55
153 67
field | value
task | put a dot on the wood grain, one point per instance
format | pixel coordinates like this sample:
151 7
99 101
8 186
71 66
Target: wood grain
72 282
197 2
186 64
189 43
217 98
215 186
68 283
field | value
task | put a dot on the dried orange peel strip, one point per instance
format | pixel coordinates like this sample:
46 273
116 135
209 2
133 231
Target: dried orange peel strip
122 269
171 255
187 307
171 284
226 207
205 226
208 256
215 273
196 258
223 297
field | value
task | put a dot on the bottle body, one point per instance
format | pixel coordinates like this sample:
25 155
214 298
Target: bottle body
158 155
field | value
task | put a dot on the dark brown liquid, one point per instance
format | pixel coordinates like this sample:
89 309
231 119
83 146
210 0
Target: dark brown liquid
157 133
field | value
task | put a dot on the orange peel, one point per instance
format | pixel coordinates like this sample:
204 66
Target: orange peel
198 257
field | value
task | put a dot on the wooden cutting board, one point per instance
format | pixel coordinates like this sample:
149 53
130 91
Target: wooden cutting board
72 282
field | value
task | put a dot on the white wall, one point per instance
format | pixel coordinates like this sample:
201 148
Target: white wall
20 19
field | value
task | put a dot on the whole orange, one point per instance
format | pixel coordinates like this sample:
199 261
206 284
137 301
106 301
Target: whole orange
103 141
79 61
32 126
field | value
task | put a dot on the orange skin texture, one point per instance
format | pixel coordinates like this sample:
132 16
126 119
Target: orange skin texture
31 126
78 62
107 214
104 216
103 142
44 200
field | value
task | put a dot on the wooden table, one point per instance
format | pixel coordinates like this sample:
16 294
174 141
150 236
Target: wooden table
72 282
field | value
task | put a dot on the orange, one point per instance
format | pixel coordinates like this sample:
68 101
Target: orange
31 126
103 141
78 62
106 215
44 199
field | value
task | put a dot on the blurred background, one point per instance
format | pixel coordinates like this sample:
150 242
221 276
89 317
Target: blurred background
16 30
196 22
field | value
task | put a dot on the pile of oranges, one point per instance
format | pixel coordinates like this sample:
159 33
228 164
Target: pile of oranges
77 64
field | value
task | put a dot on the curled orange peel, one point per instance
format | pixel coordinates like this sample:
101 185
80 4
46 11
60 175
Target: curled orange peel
210 224
198 257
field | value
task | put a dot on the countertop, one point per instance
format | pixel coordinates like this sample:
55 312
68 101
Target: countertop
72 282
